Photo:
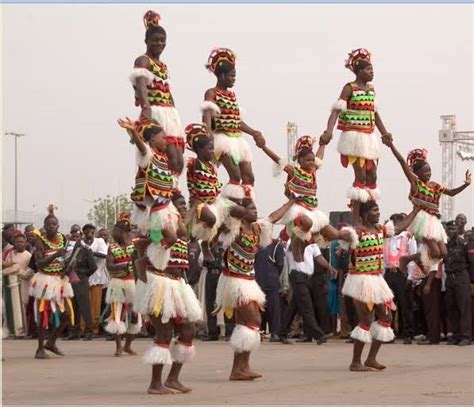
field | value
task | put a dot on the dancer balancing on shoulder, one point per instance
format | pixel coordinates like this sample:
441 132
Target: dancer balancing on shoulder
221 114
153 192
169 301
208 210
150 79
50 287
425 195
303 219
121 289
357 117
237 291
366 285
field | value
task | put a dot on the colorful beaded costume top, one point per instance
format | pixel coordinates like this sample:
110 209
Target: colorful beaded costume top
367 257
239 258
179 256
50 248
228 120
302 186
123 255
203 182
159 93
427 197
360 113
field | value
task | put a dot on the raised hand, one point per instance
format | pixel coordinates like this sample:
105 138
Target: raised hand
468 177
325 138
126 124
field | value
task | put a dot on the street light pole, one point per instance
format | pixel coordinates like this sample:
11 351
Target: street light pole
16 135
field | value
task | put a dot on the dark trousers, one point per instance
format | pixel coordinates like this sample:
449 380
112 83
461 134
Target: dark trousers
320 300
398 284
303 293
458 290
272 313
212 277
82 307
291 310
432 308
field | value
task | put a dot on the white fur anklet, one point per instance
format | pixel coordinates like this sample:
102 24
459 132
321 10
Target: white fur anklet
157 355
362 334
244 339
382 331
181 352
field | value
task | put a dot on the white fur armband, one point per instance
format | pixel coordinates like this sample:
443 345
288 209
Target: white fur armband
318 162
208 105
143 161
354 238
340 105
389 229
266 231
278 168
141 73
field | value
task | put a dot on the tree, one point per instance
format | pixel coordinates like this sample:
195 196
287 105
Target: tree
105 210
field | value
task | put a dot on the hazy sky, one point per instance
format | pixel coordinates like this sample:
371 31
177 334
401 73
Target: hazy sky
65 82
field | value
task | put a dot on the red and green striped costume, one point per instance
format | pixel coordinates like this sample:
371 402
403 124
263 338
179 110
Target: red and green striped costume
367 257
427 197
360 113
302 186
179 256
203 182
50 248
159 93
239 258
123 255
228 121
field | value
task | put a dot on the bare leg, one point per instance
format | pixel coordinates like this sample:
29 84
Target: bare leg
232 169
364 316
246 172
186 335
163 334
433 249
297 248
443 251
51 343
128 344
207 217
118 345
40 352
371 358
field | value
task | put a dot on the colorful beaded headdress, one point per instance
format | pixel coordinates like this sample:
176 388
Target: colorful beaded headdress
356 56
51 208
303 142
124 219
151 19
193 132
144 124
418 154
218 56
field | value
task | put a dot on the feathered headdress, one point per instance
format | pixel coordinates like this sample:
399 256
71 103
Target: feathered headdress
356 56
418 154
303 142
151 19
218 56
193 132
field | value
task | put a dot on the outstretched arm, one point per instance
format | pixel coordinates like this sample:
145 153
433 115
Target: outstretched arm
273 156
320 152
257 135
278 214
381 127
345 95
406 169
128 125
455 191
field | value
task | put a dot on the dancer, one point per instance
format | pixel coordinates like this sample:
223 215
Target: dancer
221 114
304 219
208 209
425 195
357 116
121 290
153 192
50 287
237 291
366 285
152 91
170 302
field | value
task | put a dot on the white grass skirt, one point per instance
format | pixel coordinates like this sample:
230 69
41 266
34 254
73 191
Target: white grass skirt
358 144
426 226
235 147
319 218
169 119
367 288
233 292
48 287
121 291
167 297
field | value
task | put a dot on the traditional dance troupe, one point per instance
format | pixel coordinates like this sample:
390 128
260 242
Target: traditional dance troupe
149 273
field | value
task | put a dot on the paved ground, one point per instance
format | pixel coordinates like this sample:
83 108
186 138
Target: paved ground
298 374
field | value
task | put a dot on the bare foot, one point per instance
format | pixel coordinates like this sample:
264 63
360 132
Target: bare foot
177 385
41 354
129 351
374 364
118 352
240 375
358 367
160 390
53 348
253 374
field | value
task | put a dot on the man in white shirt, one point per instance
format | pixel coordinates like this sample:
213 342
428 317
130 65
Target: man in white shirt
300 280
100 278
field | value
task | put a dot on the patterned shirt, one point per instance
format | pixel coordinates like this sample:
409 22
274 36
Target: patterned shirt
302 186
427 197
50 248
228 121
360 113
367 258
122 256
203 182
